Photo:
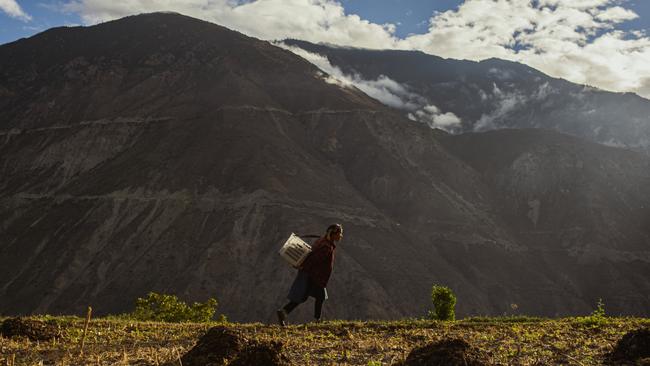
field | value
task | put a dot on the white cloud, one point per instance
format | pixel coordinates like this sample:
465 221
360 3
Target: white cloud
573 39
11 8
431 115
385 90
388 92
616 14
508 102
311 20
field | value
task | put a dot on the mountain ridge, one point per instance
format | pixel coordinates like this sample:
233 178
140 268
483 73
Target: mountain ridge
183 170
495 94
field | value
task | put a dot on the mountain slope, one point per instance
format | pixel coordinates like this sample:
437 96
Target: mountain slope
496 94
582 209
162 153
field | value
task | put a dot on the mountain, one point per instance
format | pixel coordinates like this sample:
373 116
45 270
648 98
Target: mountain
162 153
496 94
581 209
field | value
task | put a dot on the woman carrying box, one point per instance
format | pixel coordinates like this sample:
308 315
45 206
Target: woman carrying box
313 274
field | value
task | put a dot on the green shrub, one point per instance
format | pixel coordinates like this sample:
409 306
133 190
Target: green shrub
597 317
168 308
444 303
600 310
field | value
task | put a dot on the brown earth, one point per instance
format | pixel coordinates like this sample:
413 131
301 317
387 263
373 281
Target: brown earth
262 354
35 330
223 345
451 352
632 348
215 347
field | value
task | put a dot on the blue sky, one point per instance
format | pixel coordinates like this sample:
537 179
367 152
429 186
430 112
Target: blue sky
410 16
603 43
43 16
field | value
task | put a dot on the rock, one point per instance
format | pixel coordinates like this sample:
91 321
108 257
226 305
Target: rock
215 348
634 347
449 352
35 330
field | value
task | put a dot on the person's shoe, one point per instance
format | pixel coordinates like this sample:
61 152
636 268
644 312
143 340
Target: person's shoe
282 317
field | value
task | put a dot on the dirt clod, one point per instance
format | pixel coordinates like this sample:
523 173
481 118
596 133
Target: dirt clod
215 348
450 352
262 354
224 346
35 330
633 347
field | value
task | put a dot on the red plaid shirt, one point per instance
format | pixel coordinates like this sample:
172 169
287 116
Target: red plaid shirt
318 265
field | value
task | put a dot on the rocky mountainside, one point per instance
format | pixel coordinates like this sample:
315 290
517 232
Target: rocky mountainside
582 209
162 153
496 94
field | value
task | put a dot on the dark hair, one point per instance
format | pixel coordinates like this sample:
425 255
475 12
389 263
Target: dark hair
333 229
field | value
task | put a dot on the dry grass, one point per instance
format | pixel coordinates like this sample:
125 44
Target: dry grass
507 341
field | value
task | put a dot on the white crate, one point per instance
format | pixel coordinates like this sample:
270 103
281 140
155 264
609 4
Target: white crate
295 250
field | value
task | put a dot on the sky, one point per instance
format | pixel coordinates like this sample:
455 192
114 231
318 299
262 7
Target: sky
602 43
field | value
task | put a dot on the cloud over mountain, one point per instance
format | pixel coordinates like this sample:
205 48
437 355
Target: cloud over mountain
576 40
385 90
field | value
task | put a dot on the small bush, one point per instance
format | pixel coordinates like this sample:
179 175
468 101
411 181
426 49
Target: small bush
600 310
444 303
168 308
597 317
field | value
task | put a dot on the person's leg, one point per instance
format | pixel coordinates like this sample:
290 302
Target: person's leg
290 306
297 295
318 308
282 313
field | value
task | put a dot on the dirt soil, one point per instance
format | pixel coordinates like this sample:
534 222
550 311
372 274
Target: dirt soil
633 348
35 330
262 354
214 348
222 345
451 352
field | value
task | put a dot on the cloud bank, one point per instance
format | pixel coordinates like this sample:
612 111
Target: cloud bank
385 90
11 8
310 20
572 39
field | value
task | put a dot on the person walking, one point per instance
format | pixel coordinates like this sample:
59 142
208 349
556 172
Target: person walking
313 275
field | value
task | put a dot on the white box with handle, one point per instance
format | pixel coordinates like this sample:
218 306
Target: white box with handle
295 250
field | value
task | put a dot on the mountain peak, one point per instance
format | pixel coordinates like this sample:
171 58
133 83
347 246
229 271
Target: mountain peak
164 58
